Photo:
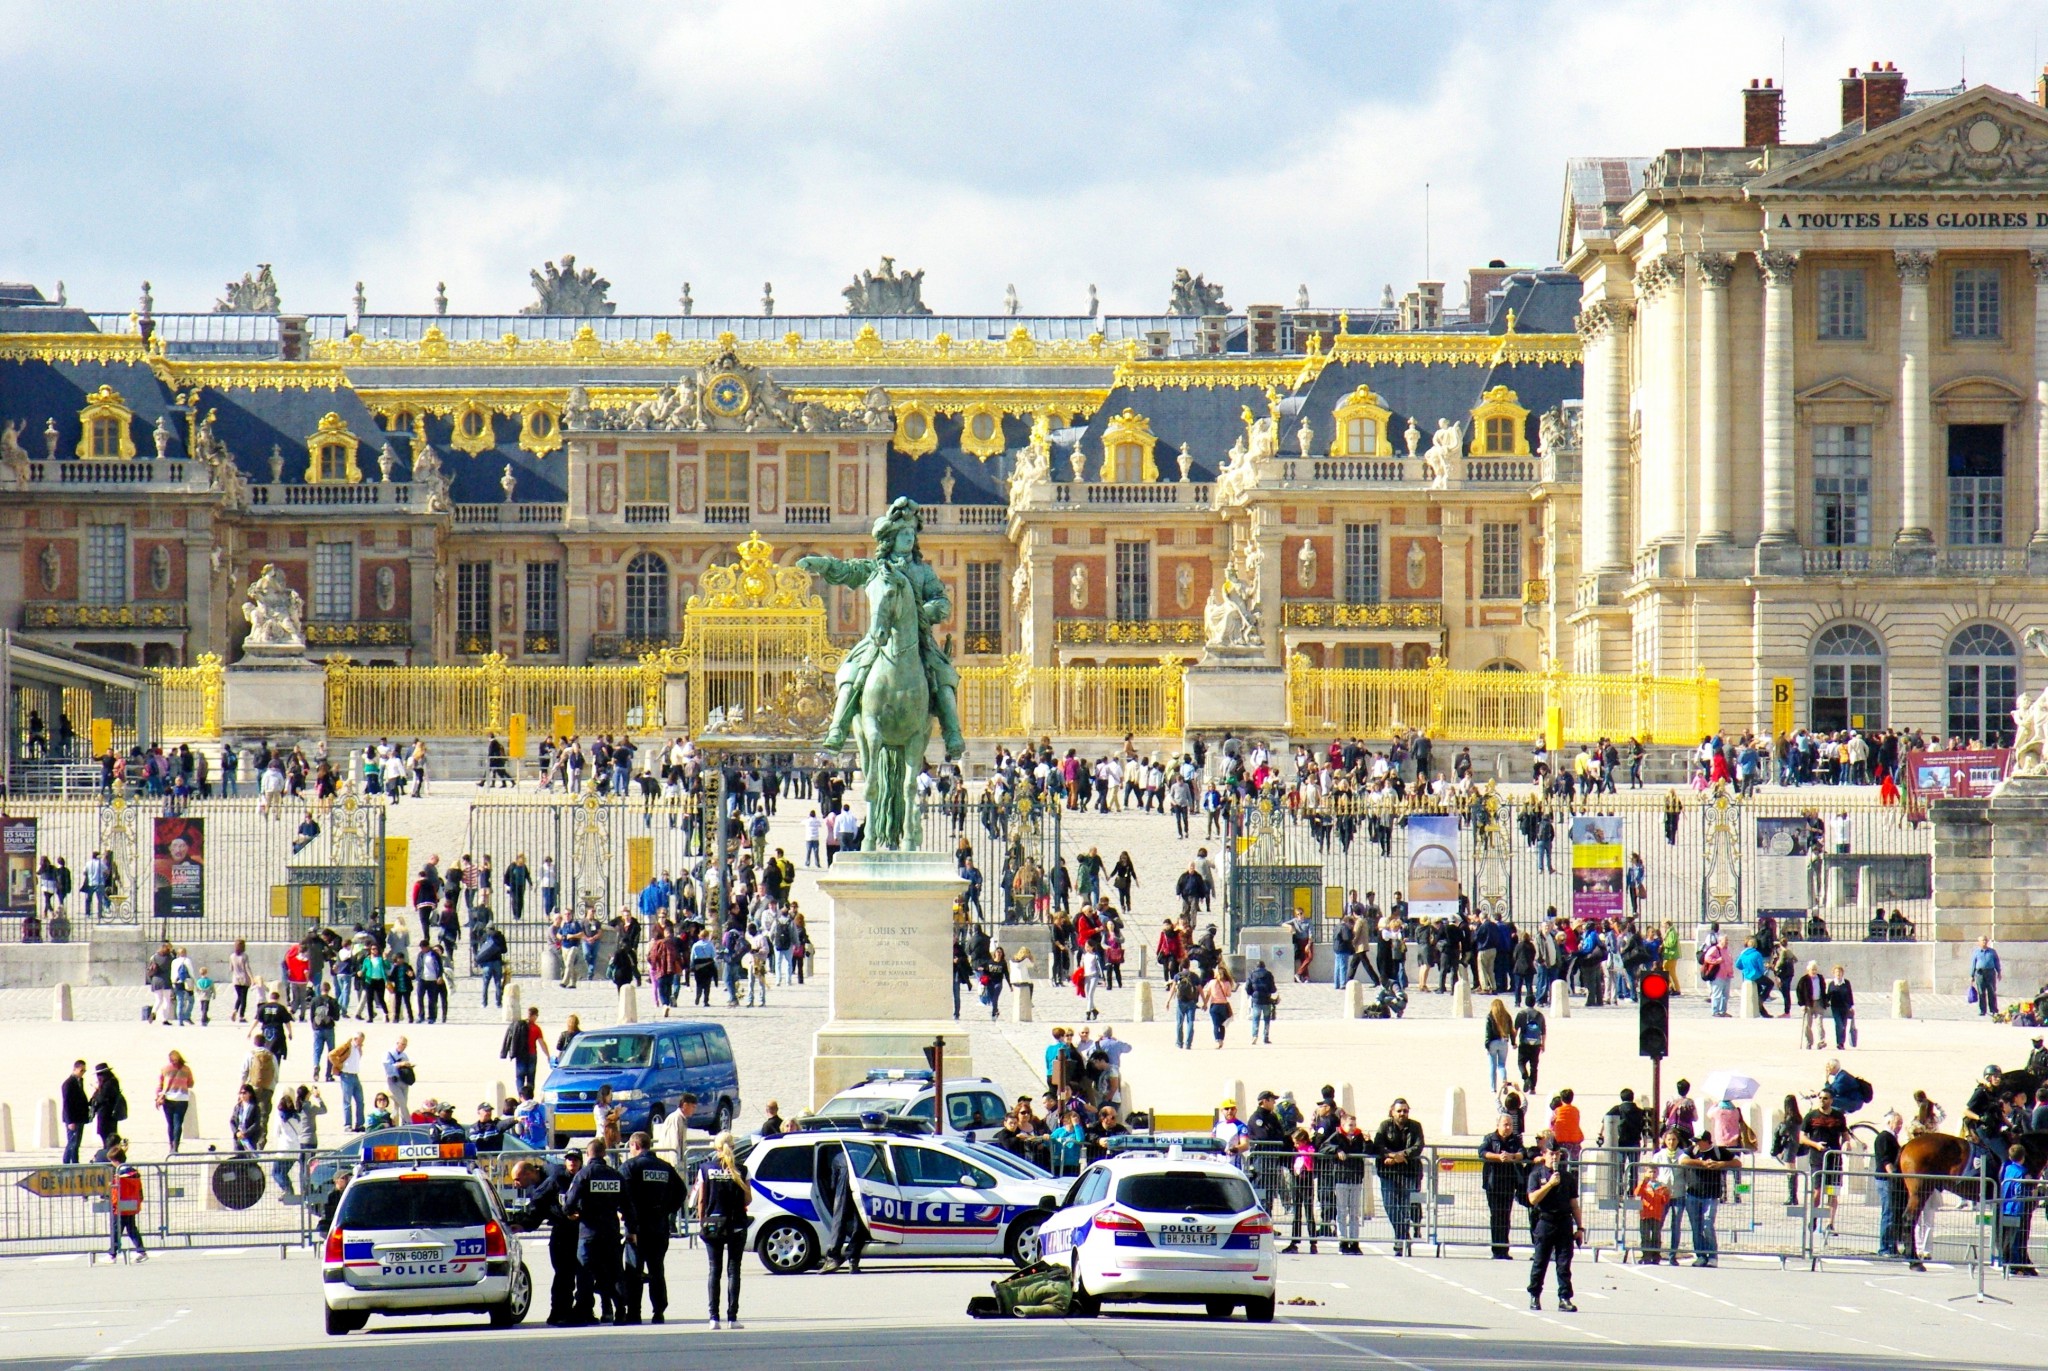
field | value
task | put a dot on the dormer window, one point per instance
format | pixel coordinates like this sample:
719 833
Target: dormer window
103 427
106 438
333 462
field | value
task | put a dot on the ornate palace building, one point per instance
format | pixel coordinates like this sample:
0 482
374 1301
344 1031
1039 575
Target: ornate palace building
1816 421
1395 484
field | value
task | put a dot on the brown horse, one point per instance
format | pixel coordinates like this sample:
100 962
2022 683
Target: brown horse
1933 1163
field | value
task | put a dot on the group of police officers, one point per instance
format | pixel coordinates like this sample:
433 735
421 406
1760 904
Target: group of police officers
609 1230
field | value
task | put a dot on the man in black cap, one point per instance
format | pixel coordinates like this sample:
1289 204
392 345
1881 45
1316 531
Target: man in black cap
545 1205
597 1201
1555 1224
653 1194
1269 1141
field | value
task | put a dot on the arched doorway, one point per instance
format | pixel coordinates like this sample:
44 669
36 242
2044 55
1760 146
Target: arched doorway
1983 685
1848 680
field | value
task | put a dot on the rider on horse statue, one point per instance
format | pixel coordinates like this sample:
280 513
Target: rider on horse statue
896 550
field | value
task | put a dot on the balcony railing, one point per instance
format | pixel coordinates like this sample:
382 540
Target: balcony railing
1336 614
1982 561
647 514
469 515
1184 493
968 516
107 473
1377 470
332 495
807 514
542 642
1127 632
78 614
360 633
1501 470
1948 561
728 514
613 647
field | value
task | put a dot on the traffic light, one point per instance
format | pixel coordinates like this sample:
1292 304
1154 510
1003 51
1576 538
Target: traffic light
1653 1016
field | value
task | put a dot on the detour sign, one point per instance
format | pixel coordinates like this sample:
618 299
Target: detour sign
68 1182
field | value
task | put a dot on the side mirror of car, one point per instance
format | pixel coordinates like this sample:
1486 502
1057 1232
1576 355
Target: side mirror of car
1048 1202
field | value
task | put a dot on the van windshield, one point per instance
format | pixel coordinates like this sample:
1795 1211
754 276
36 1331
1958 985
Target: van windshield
604 1051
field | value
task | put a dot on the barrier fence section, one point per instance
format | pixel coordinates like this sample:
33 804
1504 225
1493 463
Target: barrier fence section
222 1199
1499 706
1705 858
476 701
244 870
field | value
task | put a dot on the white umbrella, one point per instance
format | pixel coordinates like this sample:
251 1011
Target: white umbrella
1728 1085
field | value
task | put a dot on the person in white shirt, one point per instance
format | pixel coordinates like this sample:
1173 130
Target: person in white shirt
814 836
1230 1131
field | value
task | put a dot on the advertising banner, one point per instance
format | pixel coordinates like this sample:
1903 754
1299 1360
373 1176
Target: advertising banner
18 852
179 858
1959 775
1433 866
1596 866
1785 849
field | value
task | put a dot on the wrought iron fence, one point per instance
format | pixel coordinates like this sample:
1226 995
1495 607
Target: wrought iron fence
1499 706
1015 843
188 699
473 701
1704 858
1016 699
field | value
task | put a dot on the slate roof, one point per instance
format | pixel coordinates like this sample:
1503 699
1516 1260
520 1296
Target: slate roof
35 392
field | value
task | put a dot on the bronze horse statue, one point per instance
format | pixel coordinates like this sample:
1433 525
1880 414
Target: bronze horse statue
1936 1163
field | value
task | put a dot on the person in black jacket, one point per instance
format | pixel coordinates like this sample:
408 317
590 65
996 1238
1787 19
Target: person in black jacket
1398 1145
545 1206
76 1107
1501 1157
654 1191
1891 1192
597 1200
109 1106
1270 1149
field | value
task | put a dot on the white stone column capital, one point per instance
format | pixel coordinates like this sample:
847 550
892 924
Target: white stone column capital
1914 266
1779 267
1716 269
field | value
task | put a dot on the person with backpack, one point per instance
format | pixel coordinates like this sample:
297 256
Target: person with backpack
323 1014
1184 992
525 1043
124 1203
1532 1032
1264 992
489 957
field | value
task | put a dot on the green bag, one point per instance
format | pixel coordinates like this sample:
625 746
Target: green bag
1041 1290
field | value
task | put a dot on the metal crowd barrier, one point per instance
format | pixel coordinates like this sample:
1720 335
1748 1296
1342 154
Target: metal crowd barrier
214 1199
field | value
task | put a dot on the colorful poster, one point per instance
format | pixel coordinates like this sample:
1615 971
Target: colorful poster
179 859
18 852
1958 775
1433 866
1597 858
1785 851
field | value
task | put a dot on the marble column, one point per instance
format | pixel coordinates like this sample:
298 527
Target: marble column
1778 548
1717 469
2037 546
1660 469
1916 413
1604 328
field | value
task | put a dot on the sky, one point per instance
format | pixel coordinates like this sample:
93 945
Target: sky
1048 146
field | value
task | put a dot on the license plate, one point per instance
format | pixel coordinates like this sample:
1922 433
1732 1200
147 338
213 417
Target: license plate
574 1122
407 1256
1184 1236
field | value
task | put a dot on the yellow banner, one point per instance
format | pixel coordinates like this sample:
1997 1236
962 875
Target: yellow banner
515 738
397 862
102 737
1783 696
639 864
564 722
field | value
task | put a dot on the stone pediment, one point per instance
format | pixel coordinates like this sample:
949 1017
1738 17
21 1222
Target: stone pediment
1983 141
1843 390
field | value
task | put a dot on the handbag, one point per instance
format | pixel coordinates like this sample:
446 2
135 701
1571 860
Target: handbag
406 1075
1970 996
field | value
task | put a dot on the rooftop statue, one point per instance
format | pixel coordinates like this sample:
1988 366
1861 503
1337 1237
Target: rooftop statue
897 679
1194 296
564 289
255 293
886 292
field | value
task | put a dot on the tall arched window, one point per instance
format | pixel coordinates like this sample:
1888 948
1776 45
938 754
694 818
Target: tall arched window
1848 679
647 597
1983 685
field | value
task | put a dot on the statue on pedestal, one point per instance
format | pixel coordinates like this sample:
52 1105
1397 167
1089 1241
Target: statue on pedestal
2030 739
1231 617
276 615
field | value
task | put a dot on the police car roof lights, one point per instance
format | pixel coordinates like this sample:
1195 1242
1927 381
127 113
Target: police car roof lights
899 1073
872 1121
387 1154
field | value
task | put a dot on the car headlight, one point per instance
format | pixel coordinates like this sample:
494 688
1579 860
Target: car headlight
627 1096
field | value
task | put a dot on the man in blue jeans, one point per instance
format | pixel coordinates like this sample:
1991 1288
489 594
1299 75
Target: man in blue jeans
1184 991
1707 1168
1984 974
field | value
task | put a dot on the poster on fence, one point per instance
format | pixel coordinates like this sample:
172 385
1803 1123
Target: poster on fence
1785 849
1596 866
1433 866
1957 775
180 868
18 851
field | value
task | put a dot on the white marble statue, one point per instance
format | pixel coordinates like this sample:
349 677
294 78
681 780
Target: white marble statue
276 615
2030 739
1446 445
1231 617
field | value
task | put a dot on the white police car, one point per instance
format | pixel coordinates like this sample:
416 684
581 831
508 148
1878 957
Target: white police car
1165 1229
974 1104
923 1196
420 1230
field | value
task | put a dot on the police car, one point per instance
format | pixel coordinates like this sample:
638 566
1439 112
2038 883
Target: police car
420 1230
1166 1228
923 1196
974 1104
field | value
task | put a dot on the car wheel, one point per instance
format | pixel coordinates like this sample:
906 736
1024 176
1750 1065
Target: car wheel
722 1123
1259 1310
344 1321
1082 1305
1020 1244
787 1247
1220 1309
513 1311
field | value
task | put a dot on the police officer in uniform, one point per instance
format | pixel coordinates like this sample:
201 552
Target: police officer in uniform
546 1205
1555 1223
597 1201
653 1194
721 1188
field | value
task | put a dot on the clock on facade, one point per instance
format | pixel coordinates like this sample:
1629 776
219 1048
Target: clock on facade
726 396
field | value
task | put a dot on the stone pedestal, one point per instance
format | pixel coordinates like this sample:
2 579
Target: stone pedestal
261 698
1247 697
892 967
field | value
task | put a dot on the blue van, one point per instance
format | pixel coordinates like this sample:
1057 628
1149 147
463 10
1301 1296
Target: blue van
649 1066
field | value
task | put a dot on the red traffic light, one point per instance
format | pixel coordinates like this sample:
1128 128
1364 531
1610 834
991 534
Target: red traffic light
1655 986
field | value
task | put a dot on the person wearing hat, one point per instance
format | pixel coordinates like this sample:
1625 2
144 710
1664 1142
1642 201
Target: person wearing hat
545 1206
1231 1133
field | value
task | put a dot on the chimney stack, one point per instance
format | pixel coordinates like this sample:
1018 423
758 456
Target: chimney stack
1852 98
1763 114
2041 89
1884 95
